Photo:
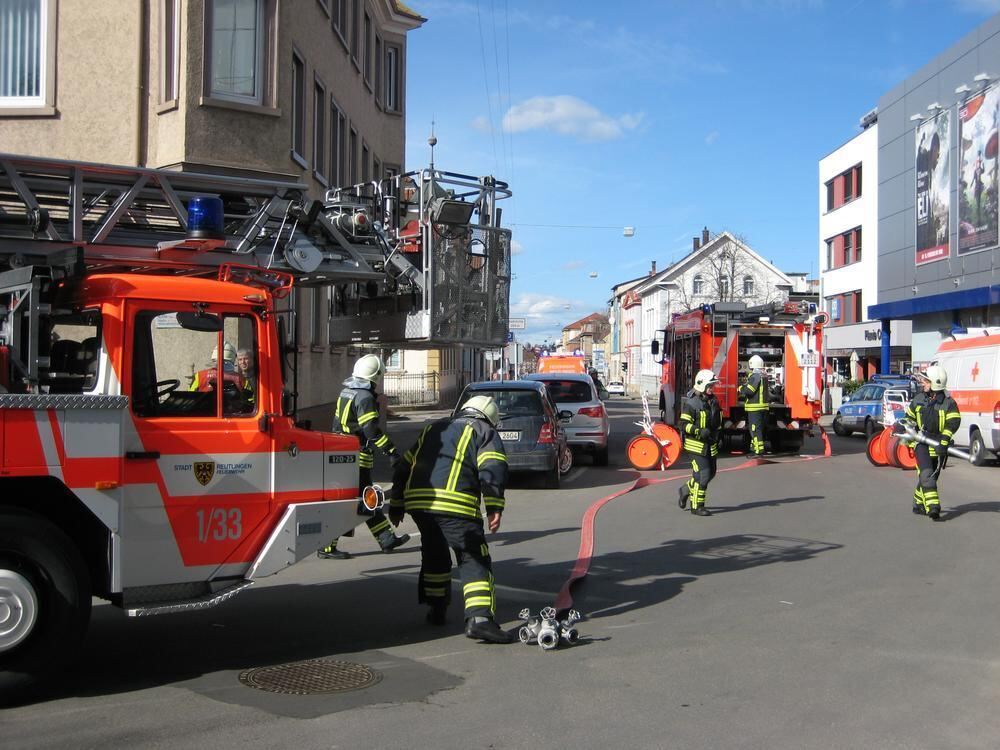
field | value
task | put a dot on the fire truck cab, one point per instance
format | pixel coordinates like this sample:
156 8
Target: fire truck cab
149 449
722 337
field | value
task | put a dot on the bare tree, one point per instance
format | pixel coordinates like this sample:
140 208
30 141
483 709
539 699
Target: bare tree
727 274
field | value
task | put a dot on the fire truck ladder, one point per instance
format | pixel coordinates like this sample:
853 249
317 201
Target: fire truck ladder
130 219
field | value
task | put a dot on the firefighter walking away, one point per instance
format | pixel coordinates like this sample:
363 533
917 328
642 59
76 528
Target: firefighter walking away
754 394
357 414
936 415
456 465
701 421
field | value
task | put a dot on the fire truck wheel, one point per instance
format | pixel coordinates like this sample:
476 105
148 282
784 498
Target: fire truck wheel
44 599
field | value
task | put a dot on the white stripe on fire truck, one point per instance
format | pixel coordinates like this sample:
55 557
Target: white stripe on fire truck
47 439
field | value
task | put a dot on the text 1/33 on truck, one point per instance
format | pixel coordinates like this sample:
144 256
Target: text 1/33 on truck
141 460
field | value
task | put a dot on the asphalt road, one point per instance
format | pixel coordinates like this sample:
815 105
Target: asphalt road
813 610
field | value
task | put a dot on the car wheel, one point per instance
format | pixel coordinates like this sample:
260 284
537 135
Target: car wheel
977 449
838 426
44 597
870 427
565 460
550 480
601 456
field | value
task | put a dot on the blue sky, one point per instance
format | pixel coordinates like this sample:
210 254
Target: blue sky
666 116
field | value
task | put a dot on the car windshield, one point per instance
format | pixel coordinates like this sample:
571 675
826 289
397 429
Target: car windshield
514 403
569 391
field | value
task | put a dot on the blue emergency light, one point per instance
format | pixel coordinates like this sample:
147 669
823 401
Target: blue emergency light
205 218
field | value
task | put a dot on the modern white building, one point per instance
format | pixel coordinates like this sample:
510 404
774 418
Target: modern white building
848 259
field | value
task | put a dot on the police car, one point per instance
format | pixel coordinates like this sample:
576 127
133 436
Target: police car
862 410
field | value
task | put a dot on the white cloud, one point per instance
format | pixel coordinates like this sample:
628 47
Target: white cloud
482 124
711 137
568 115
516 248
573 265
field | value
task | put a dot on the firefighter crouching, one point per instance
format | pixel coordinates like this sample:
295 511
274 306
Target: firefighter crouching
754 394
701 421
937 416
455 464
357 414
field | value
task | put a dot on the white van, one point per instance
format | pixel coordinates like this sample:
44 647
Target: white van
973 366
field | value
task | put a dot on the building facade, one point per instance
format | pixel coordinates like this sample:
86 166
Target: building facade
937 196
618 338
310 91
848 261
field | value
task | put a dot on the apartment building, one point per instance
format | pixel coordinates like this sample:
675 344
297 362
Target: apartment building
848 260
310 91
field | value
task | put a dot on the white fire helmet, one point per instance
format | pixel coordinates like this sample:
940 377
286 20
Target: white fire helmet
704 379
756 362
228 353
485 407
937 376
369 367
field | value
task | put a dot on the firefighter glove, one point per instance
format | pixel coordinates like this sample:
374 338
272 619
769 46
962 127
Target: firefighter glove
704 433
394 459
396 515
945 442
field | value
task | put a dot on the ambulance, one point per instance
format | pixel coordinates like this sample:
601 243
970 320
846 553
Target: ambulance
972 362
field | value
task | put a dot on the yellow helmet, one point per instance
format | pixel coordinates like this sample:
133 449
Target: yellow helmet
484 407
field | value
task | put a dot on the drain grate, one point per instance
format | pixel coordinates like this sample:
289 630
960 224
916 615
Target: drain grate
311 677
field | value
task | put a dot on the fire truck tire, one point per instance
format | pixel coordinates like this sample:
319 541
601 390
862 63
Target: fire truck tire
40 569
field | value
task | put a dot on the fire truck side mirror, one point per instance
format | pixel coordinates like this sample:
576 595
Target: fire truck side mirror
654 347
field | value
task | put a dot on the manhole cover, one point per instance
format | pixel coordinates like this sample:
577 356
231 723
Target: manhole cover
311 677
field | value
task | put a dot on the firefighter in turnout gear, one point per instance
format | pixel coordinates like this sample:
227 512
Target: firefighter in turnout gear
754 394
455 465
701 422
936 415
357 414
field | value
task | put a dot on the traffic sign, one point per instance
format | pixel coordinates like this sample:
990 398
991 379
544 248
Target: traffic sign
510 336
516 324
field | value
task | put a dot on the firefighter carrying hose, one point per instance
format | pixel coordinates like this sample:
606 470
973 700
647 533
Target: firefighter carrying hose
754 394
701 421
455 465
936 415
357 414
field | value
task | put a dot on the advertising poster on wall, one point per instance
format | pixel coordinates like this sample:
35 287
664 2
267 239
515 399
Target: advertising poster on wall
933 188
977 172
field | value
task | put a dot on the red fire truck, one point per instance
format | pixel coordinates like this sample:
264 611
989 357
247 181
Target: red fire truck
722 337
126 294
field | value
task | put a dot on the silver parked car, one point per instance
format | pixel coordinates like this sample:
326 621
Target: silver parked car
589 427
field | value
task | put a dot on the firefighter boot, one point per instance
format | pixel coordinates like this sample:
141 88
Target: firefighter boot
487 629
701 510
330 552
934 511
683 492
919 509
388 540
437 614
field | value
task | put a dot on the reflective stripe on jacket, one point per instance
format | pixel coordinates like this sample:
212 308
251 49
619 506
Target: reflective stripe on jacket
699 413
936 415
454 464
357 414
754 392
